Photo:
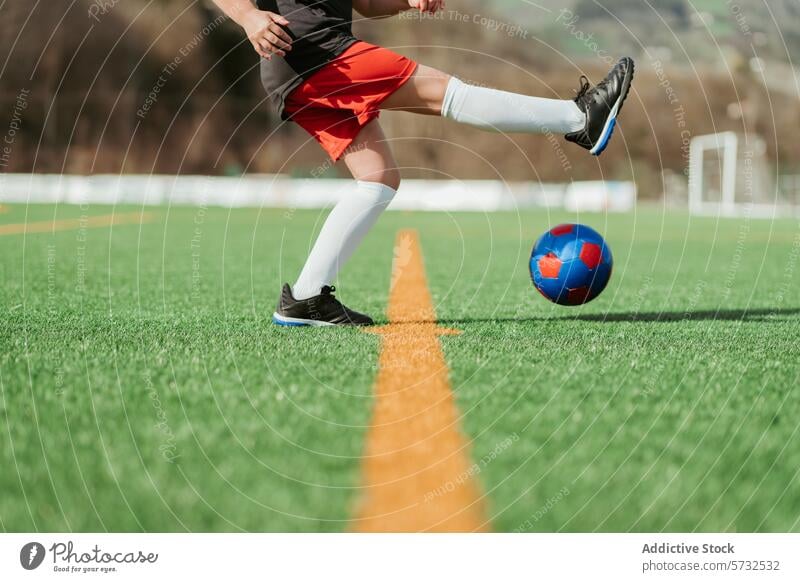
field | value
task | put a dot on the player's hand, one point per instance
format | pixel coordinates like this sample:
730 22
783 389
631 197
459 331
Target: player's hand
431 6
265 33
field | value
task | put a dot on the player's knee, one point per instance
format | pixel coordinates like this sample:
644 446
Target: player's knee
438 90
431 86
393 179
388 177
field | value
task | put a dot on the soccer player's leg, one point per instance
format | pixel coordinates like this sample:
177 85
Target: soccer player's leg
587 120
312 301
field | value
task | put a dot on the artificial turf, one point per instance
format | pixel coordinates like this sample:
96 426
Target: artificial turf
144 387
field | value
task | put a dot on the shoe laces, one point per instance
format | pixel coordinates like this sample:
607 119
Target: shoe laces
327 297
326 294
585 86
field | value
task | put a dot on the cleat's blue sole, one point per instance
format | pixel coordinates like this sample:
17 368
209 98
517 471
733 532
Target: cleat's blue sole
277 321
284 321
605 138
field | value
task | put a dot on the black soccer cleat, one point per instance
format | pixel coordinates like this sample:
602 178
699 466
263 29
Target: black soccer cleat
601 104
322 309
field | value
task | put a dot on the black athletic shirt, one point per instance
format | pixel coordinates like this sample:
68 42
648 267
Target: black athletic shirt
321 30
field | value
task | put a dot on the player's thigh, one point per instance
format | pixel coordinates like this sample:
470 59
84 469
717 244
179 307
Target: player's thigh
422 93
369 157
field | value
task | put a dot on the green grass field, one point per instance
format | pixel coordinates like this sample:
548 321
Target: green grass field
144 387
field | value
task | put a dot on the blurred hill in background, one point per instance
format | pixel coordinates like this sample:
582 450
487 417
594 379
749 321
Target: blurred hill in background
172 87
711 31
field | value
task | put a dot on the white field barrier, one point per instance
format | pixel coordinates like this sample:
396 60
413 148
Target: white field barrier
279 191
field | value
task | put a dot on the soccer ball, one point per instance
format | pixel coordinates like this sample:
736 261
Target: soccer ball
571 264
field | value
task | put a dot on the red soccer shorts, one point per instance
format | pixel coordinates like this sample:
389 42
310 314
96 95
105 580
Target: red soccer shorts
335 102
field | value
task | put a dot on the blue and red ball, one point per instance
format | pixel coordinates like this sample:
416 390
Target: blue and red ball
571 264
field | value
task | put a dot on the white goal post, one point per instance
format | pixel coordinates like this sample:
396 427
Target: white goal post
730 175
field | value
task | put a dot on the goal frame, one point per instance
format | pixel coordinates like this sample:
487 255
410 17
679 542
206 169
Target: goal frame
728 143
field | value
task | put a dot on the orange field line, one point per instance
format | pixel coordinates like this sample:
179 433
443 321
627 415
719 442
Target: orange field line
416 472
76 223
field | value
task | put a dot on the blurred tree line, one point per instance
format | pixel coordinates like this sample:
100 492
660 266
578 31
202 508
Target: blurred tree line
172 87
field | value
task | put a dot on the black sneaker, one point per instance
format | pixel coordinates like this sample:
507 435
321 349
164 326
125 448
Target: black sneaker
322 309
601 104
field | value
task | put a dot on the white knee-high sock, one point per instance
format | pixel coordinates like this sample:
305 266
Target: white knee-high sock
494 110
345 227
